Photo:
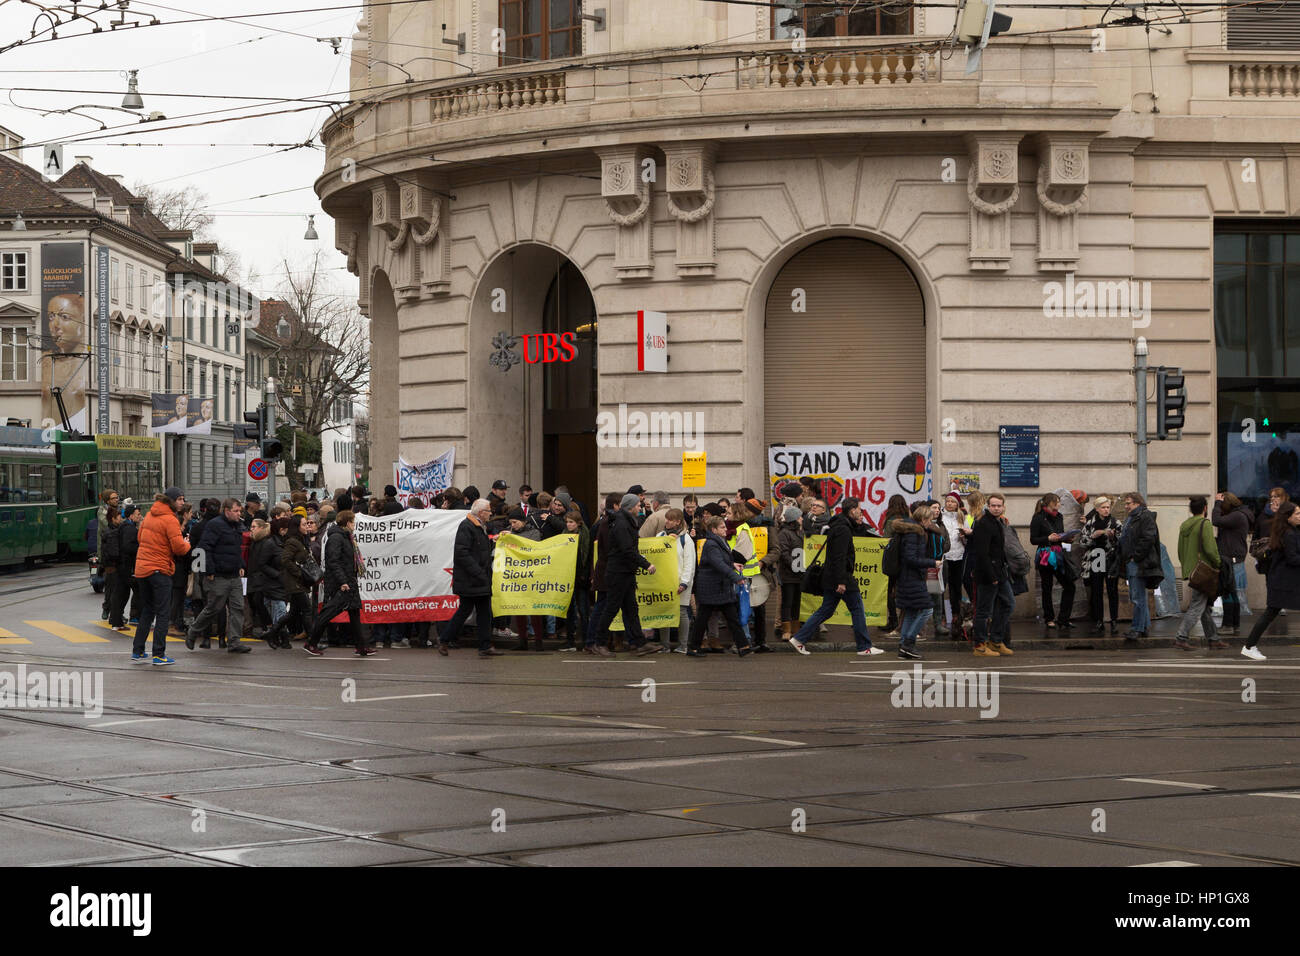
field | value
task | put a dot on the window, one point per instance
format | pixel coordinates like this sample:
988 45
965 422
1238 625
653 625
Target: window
189 317
541 30
13 353
130 284
203 321
189 378
843 21
115 279
13 272
1269 26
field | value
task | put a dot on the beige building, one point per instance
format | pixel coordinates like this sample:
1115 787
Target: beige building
730 166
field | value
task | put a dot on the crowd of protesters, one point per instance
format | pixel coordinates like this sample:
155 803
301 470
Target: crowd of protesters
236 573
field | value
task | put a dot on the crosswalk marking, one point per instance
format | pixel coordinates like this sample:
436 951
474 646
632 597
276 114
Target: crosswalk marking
9 637
70 634
129 633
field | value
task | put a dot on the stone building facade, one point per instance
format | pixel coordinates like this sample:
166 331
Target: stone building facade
697 160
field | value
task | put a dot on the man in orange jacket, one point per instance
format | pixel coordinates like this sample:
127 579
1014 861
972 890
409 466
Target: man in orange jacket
160 543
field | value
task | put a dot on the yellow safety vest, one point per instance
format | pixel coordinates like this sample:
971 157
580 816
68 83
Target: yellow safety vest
752 566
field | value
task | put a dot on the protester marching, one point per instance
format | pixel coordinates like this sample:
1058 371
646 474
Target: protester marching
653 574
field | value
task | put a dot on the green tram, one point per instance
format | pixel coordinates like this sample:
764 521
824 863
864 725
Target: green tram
49 487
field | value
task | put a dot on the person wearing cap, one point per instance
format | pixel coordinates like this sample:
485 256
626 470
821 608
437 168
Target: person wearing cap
623 562
789 539
126 533
252 509
498 492
160 540
839 582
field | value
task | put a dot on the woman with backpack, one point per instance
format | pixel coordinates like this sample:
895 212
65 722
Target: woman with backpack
1282 566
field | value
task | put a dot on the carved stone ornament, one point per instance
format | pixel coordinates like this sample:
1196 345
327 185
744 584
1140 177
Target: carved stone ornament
690 181
628 198
384 207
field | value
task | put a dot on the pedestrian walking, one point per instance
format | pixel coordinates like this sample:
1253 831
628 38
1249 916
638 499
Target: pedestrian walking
108 498
621 567
716 580
471 580
295 560
895 510
266 577
1233 523
160 541
343 567
223 586
1100 564
839 582
789 540
916 563
1282 568
1196 546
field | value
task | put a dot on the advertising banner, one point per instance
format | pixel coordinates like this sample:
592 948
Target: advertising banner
533 577
656 594
64 344
870 473
198 416
169 412
408 565
102 350
866 568
423 481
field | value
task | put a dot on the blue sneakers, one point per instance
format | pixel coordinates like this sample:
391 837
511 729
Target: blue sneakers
161 661
140 658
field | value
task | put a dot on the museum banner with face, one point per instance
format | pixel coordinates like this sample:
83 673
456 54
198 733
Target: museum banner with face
169 412
198 416
64 346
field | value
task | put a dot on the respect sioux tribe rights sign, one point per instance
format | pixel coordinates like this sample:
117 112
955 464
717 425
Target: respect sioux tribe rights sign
870 473
410 557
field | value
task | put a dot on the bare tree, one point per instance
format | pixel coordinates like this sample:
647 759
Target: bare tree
325 357
182 208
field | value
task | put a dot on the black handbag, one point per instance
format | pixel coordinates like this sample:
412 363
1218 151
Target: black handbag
812 576
311 571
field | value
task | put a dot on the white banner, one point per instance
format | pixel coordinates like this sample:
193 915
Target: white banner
870 473
408 560
423 481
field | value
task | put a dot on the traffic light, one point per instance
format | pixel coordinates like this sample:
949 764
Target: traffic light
979 22
272 448
1171 401
252 432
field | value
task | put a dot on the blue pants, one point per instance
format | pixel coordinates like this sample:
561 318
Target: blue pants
1137 592
913 620
853 601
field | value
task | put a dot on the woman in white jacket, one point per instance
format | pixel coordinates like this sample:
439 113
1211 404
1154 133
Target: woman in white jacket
954 561
675 524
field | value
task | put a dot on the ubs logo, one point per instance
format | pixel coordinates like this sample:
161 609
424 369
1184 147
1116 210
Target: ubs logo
549 347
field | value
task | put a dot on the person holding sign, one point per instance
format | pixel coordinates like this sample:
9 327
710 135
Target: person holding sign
839 582
715 589
621 566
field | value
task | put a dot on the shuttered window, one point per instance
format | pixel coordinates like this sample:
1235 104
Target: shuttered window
1265 26
852 367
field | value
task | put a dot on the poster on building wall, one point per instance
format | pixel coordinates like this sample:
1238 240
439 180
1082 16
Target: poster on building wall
169 412
963 482
870 473
102 349
198 416
65 349
423 481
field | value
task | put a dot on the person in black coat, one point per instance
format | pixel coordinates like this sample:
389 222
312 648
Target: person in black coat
915 562
1047 534
716 578
1283 571
986 551
1139 551
342 592
128 546
839 583
600 550
265 579
622 562
471 580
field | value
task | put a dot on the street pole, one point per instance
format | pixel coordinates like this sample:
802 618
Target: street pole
1140 379
270 429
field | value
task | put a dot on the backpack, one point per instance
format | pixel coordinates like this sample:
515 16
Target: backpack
891 559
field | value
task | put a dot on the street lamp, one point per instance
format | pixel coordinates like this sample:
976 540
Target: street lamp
310 234
19 225
132 99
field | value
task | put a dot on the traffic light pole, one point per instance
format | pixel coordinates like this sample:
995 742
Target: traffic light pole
270 432
1140 378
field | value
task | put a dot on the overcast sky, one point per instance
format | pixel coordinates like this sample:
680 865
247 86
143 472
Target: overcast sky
204 62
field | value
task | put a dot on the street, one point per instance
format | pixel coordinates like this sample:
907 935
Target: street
1089 758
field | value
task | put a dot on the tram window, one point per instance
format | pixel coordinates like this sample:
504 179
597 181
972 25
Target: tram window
6 482
91 493
40 483
71 490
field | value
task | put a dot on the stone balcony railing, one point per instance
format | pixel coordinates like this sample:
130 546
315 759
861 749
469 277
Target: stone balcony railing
868 68
1261 82
1264 79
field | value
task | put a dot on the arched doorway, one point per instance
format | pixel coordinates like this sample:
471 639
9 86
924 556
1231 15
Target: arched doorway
844 348
569 403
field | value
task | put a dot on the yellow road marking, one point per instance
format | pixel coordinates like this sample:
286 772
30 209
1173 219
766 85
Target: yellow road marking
70 634
9 637
129 633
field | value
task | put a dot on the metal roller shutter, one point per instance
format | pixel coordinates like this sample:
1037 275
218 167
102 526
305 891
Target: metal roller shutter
851 368
1265 26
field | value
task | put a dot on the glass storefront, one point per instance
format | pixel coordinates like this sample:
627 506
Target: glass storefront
1257 335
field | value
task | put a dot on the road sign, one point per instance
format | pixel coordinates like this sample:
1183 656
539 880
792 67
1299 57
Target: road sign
258 469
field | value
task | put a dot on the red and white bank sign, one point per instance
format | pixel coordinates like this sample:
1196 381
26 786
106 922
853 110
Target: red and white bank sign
408 565
652 341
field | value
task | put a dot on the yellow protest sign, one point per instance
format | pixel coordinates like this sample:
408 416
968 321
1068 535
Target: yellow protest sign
533 577
866 568
656 594
758 534
694 466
